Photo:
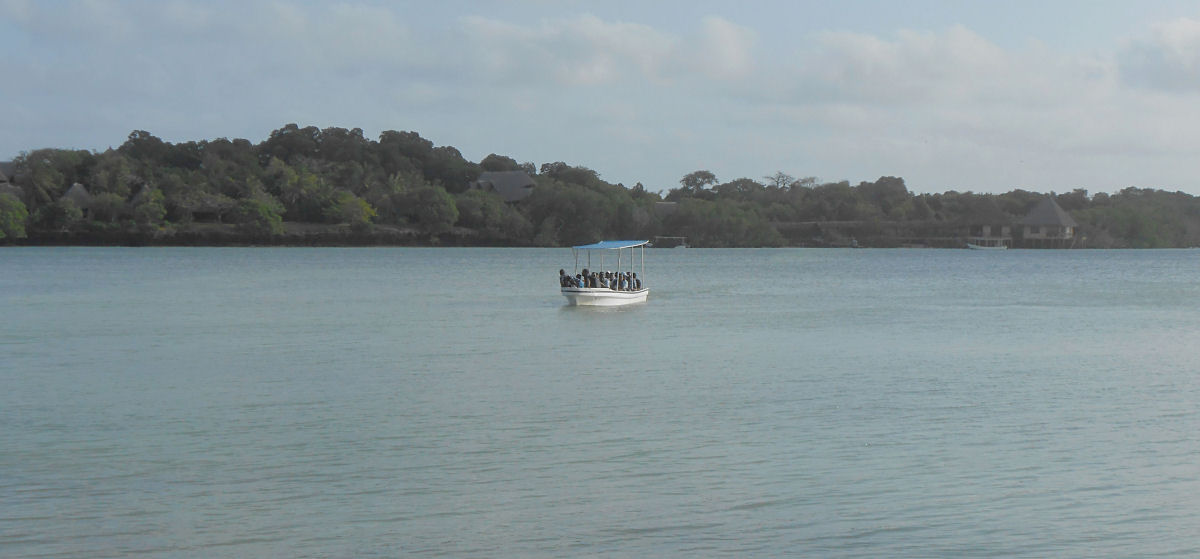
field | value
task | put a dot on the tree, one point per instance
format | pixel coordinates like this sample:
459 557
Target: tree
112 172
144 146
723 223
886 193
581 214
48 182
400 150
739 188
292 141
570 174
58 216
447 167
108 206
433 209
491 217
390 197
553 169
305 196
13 216
1075 200
350 209
259 216
49 172
806 182
698 180
188 155
495 162
780 180
149 211
341 145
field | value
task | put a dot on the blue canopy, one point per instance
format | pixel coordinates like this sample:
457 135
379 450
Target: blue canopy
611 245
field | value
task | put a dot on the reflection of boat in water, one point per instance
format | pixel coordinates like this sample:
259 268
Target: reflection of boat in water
608 296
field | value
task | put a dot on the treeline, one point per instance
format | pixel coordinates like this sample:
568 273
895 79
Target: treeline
333 185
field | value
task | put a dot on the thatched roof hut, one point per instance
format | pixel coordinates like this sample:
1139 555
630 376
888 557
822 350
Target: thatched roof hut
513 186
79 196
1048 212
1047 225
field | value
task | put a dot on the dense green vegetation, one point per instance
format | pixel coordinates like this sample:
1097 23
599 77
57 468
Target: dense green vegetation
334 186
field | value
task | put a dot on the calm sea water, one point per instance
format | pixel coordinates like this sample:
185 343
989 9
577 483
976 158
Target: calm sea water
275 402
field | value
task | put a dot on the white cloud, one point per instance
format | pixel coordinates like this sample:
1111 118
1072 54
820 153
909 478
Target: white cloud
915 67
1167 57
944 108
725 50
588 51
584 51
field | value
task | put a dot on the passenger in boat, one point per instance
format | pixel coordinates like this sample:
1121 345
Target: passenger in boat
625 282
635 282
563 279
594 280
604 281
579 280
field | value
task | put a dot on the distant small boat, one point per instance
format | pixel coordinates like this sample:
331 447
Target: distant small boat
974 246
663 241
581 289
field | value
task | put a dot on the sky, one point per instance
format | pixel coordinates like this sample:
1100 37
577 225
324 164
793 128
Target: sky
1048 95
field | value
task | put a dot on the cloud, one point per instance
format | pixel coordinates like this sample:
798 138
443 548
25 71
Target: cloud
588 51
1167 57
91 71
580 51
933 105
725 50
638 102
914 67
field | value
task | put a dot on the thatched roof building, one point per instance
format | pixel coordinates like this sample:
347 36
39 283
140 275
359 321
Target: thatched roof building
513 186
1048 212
1047 225
79 196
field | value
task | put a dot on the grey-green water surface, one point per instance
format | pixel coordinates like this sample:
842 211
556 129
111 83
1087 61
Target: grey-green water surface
287 402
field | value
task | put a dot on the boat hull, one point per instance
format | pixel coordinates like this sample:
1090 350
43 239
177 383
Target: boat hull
602 297
974 246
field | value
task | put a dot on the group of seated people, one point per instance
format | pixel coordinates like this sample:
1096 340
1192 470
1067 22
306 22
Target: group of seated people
617 281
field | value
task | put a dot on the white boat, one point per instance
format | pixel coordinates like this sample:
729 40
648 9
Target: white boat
974 246
662 241
593 255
